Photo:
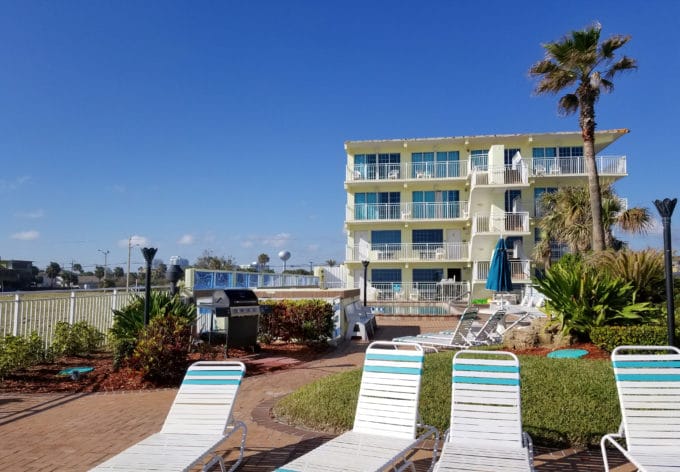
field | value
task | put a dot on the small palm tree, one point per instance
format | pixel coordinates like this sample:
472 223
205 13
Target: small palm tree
567 220
580 59
331 262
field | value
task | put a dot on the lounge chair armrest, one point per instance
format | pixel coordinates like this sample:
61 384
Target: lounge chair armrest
428 431
612 439
529 444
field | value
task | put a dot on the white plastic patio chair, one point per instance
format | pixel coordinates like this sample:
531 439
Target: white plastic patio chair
485 434
386 423
460 337
648 385
198 422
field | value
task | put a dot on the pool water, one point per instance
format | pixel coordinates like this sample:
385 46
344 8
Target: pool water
426 310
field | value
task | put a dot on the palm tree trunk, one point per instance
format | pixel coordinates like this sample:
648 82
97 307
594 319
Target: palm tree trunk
587 97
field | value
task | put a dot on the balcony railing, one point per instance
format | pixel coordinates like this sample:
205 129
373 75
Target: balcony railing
555 166
519 270
501 175
501 223
443 291
408 252
408 211
409 170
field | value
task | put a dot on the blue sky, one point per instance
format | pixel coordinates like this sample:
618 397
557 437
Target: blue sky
220 125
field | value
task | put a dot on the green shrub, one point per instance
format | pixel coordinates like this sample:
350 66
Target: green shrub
19 352
161 353
582 297
79 339
129 321
296 320
609 337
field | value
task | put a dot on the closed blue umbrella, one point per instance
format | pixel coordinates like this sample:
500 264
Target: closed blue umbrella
499 279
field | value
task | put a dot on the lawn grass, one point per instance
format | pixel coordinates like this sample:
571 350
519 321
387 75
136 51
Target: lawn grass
565 402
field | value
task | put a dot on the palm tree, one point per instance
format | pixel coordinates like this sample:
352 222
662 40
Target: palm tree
567 219
52 271
331 262
576 60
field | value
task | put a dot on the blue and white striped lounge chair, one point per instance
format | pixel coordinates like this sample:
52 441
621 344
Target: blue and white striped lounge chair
458 338
648 385
386 423
198 422
485 434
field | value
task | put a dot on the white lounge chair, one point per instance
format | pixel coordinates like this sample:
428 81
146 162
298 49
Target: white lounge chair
486 421
386 426
648 385
460 337
198 422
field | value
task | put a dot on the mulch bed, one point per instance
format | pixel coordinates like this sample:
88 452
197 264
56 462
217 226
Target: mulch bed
45 378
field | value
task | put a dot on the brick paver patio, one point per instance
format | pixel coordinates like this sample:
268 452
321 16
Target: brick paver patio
76 432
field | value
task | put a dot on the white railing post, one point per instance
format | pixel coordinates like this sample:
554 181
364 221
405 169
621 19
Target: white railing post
114 299
72 308
15 321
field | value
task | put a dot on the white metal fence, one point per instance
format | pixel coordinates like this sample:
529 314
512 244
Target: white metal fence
26 312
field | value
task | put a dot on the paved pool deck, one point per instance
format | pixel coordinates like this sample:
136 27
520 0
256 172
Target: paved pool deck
75 432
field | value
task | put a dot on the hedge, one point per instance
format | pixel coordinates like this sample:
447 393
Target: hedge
609 337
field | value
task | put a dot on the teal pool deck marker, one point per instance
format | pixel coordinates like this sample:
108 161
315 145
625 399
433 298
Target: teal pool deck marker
76 372
567 353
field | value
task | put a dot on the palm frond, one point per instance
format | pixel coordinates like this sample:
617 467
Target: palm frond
610 45
635 220
622 65
607 85
568 104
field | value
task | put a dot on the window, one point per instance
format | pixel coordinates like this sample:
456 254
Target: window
364 166
447 164
436 204
542 152
508 155
376 206
513 200
426 241
423 164
428 275
382 276
479 158
538 194
388 165
386 242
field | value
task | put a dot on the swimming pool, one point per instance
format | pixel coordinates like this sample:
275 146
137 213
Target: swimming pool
413 309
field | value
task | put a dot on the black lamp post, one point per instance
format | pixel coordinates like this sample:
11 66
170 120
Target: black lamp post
665 208
172 275
365 264
148 253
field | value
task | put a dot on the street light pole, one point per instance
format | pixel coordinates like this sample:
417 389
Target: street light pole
365 264
665 208
106 258
148 253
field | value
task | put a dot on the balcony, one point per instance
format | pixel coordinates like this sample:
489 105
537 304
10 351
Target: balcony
419 211
506 223
570 166
520 270
408 252
407 171
442 291
501 175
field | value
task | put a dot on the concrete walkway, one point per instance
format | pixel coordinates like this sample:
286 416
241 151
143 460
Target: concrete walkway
77 431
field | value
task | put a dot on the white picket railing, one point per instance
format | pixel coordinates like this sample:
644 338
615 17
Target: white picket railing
26 312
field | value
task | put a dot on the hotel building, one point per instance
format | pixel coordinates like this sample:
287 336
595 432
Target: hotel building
424 215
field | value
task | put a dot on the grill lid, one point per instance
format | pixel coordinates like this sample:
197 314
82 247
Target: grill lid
234 297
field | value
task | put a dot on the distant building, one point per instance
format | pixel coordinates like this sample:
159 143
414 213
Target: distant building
180 261
15 275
